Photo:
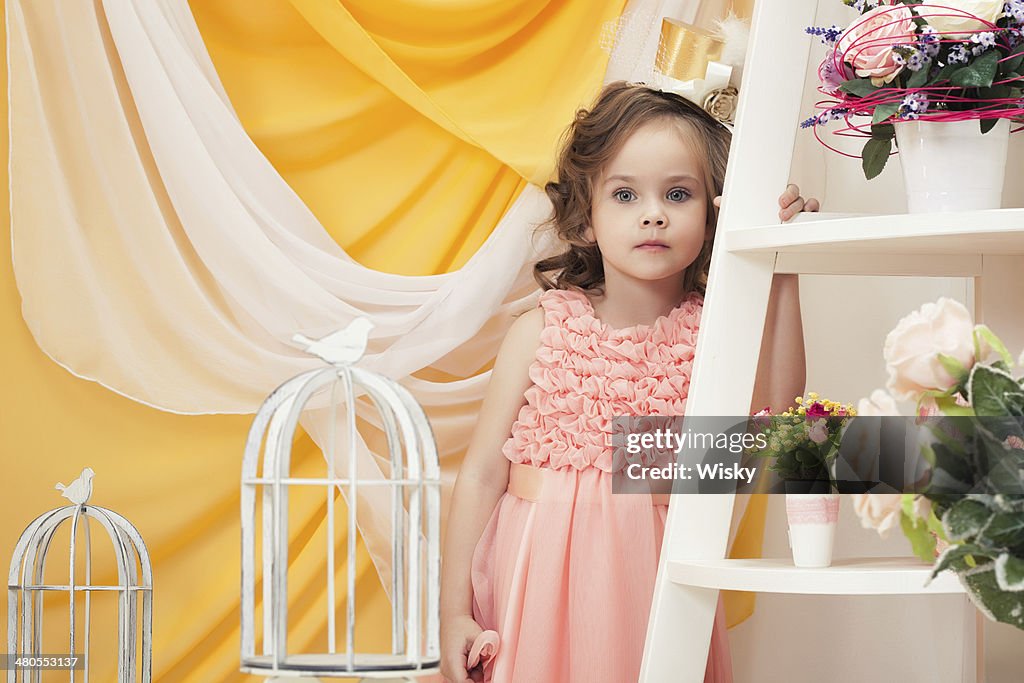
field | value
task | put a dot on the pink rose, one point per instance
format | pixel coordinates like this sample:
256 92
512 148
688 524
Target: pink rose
868 43
833 71
816 410
818 433
912 349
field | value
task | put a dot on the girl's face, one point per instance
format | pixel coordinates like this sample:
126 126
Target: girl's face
649 209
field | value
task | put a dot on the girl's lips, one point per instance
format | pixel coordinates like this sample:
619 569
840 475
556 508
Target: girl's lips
652 246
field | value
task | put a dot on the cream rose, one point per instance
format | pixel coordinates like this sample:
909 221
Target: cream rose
912 349
880 511
867 44
958 19
879 404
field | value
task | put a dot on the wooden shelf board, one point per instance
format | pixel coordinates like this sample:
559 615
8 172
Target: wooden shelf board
855 576
999 231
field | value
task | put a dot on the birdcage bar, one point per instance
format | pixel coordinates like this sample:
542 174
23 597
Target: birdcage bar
403 423
353 509
332 644
392 435
29 562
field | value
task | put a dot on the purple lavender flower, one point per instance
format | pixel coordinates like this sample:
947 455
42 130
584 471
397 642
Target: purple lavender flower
829 35
824 117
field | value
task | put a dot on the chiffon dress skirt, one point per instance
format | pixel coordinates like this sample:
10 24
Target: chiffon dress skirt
567 579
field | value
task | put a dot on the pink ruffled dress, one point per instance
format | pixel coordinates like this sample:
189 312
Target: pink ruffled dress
567 580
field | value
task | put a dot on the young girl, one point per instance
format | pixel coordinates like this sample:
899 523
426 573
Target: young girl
537 548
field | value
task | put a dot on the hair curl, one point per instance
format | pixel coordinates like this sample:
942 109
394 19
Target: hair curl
588 144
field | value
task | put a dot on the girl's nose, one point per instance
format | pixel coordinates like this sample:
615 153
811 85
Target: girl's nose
654 221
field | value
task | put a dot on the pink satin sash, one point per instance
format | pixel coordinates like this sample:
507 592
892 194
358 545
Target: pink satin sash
526 482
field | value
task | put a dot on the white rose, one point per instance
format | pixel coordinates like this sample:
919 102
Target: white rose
879 404
880 511
958 19
912 349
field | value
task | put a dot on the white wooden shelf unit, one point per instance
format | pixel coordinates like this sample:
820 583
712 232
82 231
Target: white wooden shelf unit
750 248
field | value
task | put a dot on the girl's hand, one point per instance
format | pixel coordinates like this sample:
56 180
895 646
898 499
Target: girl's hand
790 201
457 636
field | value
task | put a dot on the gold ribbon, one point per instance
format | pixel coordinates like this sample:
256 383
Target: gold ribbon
684 50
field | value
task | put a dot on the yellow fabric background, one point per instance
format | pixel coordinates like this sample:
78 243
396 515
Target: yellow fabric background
409 168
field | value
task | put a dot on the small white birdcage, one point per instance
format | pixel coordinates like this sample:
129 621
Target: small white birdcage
415 530
26 589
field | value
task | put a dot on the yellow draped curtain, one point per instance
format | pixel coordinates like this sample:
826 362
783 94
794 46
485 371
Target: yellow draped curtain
408 127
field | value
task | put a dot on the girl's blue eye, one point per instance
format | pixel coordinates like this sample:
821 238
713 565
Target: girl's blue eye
624 195
677 194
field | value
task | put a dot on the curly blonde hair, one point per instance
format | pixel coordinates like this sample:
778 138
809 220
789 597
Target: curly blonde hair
589 143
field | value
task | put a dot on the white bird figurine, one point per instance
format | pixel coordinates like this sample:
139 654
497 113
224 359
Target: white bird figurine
343 347
80 489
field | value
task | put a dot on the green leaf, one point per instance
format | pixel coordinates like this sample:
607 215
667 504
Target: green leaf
1014 62
983 333
965 519
918 78
883 131
949 407
861 87
1002 466
883 112
954 557
978 74
921 540
995 393
999 604
943 74
1010 573
954 367
876 153
1005 530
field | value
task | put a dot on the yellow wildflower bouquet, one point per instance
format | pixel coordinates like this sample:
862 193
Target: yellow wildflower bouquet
803 441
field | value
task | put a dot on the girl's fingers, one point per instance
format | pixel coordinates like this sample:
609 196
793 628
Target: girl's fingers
792 209
812 205
791 194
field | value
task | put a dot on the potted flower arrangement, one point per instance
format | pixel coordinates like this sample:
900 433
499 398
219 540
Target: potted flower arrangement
971 513
901 68
802 444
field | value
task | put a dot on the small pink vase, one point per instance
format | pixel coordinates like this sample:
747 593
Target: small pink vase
812 527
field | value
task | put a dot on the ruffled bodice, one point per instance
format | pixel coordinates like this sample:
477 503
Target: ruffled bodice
585 373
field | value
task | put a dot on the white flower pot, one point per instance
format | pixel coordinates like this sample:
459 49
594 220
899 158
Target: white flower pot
951 166
812 527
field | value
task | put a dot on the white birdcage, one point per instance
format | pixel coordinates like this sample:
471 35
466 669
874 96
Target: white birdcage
415 539
27 588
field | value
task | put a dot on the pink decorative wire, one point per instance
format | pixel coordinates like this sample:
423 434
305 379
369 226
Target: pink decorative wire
937 95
